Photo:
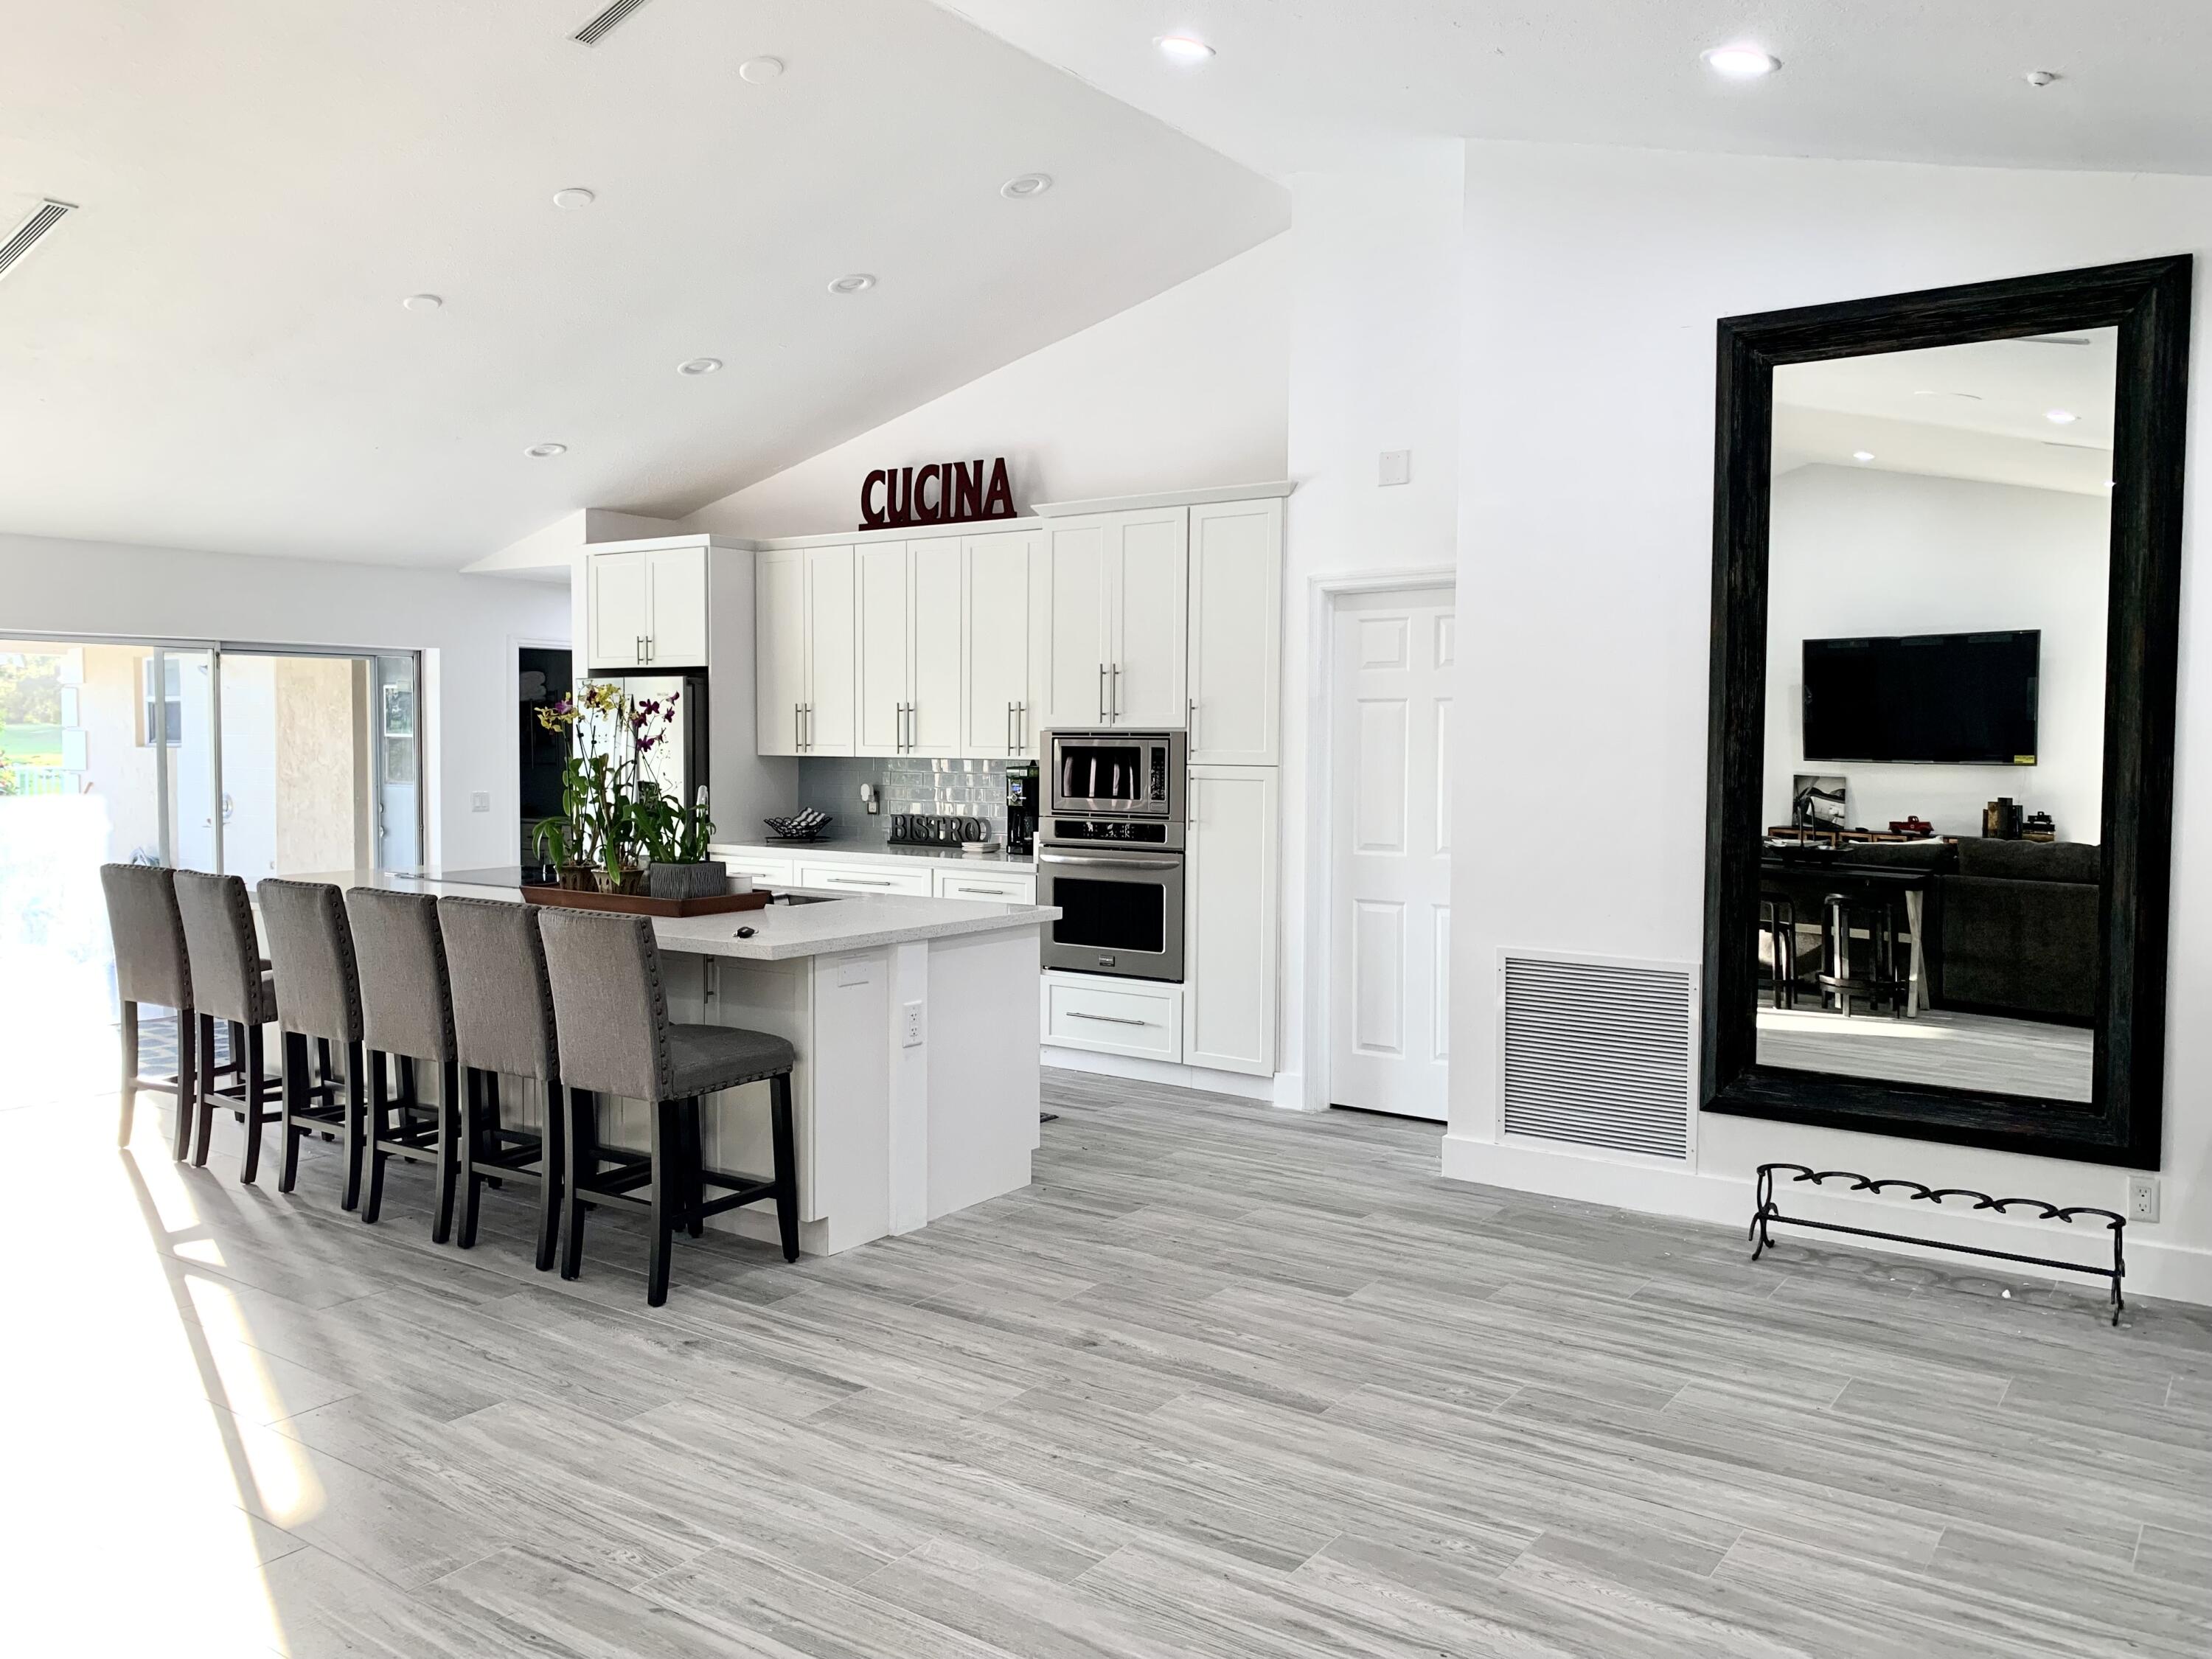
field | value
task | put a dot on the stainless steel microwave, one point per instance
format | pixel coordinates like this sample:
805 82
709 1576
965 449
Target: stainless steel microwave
1116 773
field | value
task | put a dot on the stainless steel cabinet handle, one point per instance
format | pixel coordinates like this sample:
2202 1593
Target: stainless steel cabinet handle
796 741
652 648
987 892
1022 727
1105 1019
858 881
1190 723
1102 691
1114 706
1166 861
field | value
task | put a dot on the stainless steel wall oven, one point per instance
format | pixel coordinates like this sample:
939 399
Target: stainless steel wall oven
1110 852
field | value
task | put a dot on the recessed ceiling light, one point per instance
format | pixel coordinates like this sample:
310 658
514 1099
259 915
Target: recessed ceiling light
1862 456
574 197
545 451
1026 184
858 282
696 366
760 69
1183 48
2040 78
421 302
1742 63
2060 417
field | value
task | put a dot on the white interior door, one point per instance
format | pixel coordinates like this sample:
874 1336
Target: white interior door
1392 659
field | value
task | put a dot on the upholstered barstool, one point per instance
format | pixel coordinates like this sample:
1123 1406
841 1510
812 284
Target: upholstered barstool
407 1014
151 966
229 984
311 948
503 1026
610 1014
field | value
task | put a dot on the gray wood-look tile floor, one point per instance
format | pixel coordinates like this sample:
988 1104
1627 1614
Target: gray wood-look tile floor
1223 1380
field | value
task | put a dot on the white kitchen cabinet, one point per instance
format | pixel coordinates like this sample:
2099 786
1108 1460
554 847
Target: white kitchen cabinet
869 878
1118 619
1007 886
647 608
1236 633
1135 1017
1230 874
774 873
999 582
907 641
802 657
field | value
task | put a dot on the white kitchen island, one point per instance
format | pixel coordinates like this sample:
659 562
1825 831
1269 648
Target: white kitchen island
916 1090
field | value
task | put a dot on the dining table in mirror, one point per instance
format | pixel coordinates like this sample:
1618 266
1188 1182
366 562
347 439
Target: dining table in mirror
1946 565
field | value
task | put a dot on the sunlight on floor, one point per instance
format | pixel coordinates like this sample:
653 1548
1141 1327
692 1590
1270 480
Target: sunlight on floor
133 1464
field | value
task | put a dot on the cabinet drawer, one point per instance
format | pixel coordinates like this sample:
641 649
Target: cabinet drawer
864 879
1115 1016
767 872
1003 886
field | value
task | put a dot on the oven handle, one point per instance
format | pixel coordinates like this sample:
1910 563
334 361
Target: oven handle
1166 861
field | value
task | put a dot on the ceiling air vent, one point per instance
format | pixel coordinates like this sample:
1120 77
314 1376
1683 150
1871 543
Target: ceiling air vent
591 33
25 237
1599 1054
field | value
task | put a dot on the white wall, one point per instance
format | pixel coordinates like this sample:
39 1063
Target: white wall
467 626
1182 390
1374 366
1594 279
1856 552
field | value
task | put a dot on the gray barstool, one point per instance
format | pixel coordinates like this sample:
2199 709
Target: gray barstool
407 1014
151 966
610 1013
503 1025
311 947
228 984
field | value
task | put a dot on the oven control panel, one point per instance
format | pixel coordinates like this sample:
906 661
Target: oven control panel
1120 830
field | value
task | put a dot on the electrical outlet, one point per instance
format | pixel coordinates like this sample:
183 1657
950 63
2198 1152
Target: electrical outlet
480 801
2142 1197
911 1036
1396 467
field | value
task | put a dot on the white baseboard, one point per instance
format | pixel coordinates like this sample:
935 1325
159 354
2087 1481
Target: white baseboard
1265 1089
2177 1272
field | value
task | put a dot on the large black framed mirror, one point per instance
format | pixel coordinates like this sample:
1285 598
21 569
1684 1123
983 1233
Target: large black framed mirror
1946 559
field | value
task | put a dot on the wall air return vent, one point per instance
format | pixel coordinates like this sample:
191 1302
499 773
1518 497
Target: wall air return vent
593 31
25 237
1599 1054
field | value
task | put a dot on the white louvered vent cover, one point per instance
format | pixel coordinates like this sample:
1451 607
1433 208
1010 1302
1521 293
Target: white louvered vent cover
592 31
1599 1054
44 218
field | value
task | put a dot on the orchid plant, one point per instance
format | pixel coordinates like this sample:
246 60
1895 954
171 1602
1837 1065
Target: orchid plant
614 813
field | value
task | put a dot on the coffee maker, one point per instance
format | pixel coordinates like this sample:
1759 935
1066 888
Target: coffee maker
1021 806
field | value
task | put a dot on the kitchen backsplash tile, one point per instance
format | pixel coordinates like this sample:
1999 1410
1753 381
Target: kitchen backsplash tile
907 783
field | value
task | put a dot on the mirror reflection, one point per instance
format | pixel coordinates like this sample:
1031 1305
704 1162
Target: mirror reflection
1934 776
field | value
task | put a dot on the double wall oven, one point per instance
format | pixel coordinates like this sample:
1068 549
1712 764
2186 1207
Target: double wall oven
1109 851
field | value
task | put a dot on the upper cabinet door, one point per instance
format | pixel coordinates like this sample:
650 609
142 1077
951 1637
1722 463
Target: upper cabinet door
779 652
621 608
996 617
1149 557
883 625
934 713
675 631
1236 632
832 687
1079 624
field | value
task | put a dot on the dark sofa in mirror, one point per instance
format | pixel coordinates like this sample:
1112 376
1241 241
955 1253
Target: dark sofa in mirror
1946 555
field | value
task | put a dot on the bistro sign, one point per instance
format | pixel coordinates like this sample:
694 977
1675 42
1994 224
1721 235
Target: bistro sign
944 492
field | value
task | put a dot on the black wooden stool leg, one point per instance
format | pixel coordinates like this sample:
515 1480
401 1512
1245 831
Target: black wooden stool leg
373 1205
128 1032
580 1164
255 1056
356 1112
551 1161
668 1184
188 1081
694 1169
203 1107
787 1165
449 1130
295 1095
468 1147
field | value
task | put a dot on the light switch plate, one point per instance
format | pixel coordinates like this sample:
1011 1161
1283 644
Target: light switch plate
1397 467
480 801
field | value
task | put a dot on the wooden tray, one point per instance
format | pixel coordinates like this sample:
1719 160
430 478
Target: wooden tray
637 904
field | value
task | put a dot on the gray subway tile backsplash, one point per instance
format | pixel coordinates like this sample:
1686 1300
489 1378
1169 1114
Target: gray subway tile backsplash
907 783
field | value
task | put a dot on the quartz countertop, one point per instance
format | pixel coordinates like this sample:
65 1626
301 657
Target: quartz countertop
846 921
869 847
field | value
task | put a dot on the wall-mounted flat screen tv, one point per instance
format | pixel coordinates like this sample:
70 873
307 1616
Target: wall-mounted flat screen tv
1948 698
